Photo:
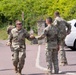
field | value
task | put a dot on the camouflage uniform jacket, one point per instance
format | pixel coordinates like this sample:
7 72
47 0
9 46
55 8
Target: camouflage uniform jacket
9 28
17 38
51 34
62 26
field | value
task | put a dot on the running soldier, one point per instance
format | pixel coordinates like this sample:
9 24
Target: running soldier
17 42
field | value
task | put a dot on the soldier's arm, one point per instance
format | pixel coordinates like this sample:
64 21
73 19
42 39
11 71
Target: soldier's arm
7 30
10 37
68 27
55 22
42 35
28 36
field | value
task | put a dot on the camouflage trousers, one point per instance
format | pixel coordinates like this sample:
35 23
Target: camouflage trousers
18 57
52 60
62 54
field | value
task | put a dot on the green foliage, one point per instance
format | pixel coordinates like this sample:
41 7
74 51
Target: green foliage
35 10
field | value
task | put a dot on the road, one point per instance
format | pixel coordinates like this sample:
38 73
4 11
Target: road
35 63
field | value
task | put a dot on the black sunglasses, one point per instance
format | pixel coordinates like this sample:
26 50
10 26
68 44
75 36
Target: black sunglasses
19 24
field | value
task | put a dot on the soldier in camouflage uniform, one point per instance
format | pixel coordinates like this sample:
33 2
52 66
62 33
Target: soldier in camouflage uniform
52 44
62 25
17 42
9 28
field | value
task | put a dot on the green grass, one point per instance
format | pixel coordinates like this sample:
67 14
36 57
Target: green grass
3 34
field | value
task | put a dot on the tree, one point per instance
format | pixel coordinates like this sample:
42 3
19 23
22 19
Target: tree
35 10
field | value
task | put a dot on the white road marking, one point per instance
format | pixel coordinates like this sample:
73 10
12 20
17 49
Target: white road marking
37 60
38 63
43 68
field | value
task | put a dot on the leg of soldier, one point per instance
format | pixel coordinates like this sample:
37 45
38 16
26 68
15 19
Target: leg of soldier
22 56
49 61
55 61
63 59
15 60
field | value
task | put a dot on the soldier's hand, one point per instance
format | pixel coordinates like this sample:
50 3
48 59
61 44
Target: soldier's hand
36 37
8 43
68 33
32 36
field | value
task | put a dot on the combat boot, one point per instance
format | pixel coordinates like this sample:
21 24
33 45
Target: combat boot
16 69
19 72
56 72
49 73
63 64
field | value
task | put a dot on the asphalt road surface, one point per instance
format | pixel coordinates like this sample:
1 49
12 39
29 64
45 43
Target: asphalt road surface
35 63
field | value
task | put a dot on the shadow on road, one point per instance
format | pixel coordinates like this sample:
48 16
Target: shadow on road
6 69
68 72
62 73
71 64
70 50
36 74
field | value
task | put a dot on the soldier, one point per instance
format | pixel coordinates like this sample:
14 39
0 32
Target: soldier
52 44
62 25
17 42
9 28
